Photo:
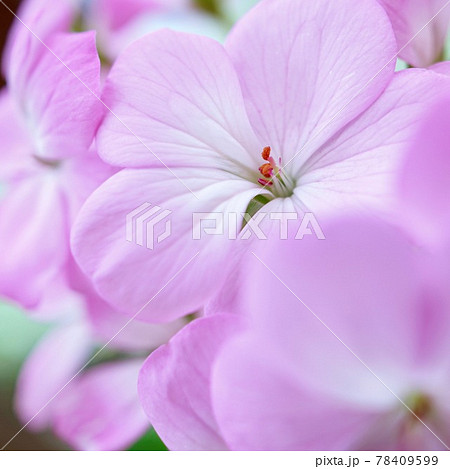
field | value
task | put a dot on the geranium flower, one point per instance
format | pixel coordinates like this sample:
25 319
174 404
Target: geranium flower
293 77
96 408
421 28
287 382
120 22
349 349
49 116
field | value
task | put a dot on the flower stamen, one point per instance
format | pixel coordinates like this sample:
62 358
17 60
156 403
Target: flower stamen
272 175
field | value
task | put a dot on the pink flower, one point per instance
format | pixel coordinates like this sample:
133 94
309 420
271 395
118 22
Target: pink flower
48 120
292 76
97 409
421 28
348 351
48 117
120 22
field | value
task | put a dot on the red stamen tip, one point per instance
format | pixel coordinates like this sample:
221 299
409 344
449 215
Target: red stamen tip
266 170
266 153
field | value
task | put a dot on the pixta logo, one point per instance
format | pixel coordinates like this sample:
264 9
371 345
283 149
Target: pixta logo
146 227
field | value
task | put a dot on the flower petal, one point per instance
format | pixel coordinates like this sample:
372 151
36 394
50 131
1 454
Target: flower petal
424 180
345 329
100 411
63 106
135 336
22 45
174 384
359 288
305 73
420 28
173 277
441 67
261 407
357 169
15 144
162 120
57 87
54 361
33 238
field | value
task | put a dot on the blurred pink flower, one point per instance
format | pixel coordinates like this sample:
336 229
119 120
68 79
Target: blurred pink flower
99 408
292 76
282 378
48 120
421 28
120 22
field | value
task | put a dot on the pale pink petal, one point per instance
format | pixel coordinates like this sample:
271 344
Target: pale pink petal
421 28
59 97
357 169
304 71
178 275
231 298
260 406
100 410
135 336
22 46
348 323
37 210
34 242
79 177
198 120
436 274
441 67
15 144
58 301
174 384
424 180
54 361
363 282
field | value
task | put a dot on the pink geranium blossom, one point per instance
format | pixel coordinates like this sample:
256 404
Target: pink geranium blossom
48 120
49 114
97 408
421 28
349 349
293 77
120 22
